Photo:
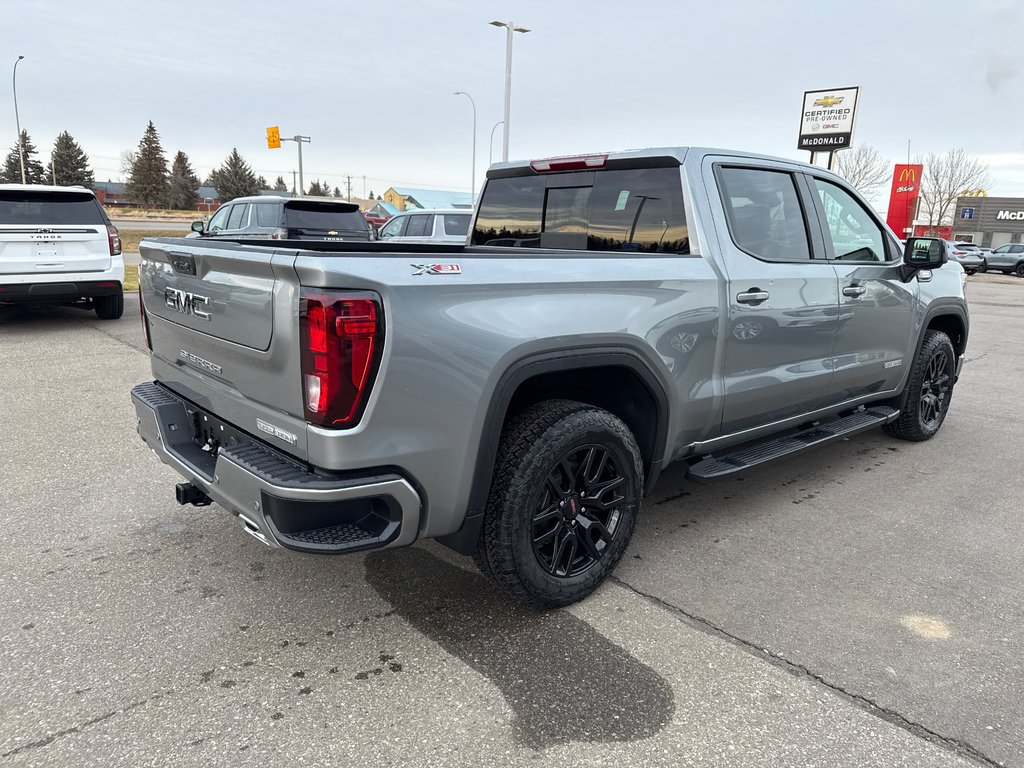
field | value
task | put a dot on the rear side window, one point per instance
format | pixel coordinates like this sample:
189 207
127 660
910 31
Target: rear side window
239 216
764 213
420 225
46 208
266 215
637 210
316 217
456 224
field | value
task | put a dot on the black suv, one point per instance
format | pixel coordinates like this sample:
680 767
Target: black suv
268 217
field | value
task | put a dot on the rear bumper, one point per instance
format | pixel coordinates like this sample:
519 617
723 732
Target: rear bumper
280 501
67 290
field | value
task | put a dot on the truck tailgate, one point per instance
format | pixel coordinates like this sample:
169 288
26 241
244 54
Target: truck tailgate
223 325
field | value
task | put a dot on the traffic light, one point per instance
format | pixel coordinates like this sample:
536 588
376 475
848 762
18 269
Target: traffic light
273 137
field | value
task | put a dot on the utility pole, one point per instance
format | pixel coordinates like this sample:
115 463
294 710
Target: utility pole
364 187
293 182
348 186
17 120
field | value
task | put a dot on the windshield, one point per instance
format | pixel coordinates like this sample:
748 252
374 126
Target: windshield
18 207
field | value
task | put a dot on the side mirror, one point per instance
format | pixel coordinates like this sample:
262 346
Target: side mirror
198 226
924 253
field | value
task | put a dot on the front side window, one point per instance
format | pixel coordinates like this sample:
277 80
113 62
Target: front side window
855 235
1002 249
638 210
394 227
764 213
220 219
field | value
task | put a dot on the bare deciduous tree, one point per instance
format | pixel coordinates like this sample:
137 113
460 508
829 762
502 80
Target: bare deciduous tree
864 168
946 177
127 162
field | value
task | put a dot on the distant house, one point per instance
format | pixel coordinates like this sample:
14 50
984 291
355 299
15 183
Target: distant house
382 210
409 197
111 193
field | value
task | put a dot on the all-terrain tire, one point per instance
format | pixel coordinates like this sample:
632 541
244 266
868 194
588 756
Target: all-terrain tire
109 307
547 446
929 390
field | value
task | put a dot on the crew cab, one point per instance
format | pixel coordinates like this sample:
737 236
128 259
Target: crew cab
516 397
57 246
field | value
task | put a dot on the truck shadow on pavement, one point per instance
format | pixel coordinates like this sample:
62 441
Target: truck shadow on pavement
564 680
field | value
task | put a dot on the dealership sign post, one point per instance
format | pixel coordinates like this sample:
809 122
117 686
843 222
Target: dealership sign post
826 122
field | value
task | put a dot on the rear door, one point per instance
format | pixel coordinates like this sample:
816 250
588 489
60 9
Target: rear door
50 232
782 297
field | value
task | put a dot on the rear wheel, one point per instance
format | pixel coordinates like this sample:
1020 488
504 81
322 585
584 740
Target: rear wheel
1020 270
563 504
930 390
109 307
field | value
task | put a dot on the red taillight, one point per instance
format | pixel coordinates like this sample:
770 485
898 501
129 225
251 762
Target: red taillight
114 240
576 163
342 335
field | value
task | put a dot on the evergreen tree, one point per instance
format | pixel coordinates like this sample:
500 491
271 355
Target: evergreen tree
184 184
319 189
337 192
234 178
279 185
34 171
371 194
263 183
147 183
70 163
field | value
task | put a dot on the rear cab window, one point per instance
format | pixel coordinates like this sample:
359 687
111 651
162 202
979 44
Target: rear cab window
314 217
619 209
29 208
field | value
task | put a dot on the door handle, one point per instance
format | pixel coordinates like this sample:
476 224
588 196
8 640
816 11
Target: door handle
854 290
753 296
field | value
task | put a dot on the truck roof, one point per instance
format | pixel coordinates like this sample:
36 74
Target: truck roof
679 153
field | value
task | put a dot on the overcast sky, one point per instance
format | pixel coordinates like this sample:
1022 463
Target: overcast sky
372 83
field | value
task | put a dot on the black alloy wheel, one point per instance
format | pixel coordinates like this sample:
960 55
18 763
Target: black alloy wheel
935 387
578 512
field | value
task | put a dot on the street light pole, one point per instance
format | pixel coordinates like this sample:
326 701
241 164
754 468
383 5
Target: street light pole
490 143
472 185
300 140
510 28
17 120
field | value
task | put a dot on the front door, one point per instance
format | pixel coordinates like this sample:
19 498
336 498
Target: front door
782 301
872 350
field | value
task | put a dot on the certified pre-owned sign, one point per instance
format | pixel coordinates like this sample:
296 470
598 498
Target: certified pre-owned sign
826 123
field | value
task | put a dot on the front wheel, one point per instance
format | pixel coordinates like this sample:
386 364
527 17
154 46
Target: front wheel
566 492
1020 270
930 389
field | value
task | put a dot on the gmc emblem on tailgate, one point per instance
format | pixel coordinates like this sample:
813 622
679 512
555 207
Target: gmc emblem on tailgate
186 303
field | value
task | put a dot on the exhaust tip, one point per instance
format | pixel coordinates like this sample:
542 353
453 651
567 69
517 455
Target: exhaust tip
187 493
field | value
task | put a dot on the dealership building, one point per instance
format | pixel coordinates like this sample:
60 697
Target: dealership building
989 221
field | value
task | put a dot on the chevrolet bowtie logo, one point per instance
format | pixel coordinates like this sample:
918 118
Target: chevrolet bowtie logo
829 101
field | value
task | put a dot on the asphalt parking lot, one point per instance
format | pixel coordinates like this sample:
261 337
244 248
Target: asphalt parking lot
858 606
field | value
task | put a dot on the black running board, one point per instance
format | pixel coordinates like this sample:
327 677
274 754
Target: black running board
751 456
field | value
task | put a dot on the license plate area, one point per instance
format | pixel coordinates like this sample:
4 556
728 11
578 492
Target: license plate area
211 434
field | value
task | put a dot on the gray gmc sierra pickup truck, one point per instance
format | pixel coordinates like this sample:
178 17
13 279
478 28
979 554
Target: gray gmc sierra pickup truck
515 397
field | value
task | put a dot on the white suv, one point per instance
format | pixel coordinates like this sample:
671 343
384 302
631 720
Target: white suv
439 226
57 246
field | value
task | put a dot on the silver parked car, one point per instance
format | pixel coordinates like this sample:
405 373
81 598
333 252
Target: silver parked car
1008 259
968 255
419 226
